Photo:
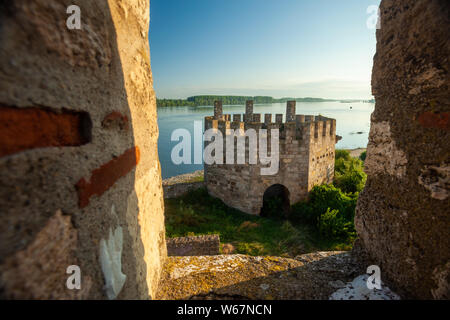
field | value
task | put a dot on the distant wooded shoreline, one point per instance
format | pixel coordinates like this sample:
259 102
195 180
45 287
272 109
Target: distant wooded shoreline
196 101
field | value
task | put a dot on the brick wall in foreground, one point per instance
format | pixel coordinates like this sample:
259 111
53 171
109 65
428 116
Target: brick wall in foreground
194 246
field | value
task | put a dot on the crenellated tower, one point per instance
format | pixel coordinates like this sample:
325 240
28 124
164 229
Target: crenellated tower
306 157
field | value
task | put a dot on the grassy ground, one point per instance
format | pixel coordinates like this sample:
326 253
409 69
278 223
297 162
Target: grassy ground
196 179
199 214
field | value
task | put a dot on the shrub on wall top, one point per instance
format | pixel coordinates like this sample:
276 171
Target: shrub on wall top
349 175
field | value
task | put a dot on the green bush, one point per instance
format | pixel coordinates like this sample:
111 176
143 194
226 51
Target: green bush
363 156
342 166
303 212
349 175
342 154
320 199
332 224
331 208
351 182
328 196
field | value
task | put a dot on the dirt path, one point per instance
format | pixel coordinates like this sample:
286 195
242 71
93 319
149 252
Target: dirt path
196 176
355 153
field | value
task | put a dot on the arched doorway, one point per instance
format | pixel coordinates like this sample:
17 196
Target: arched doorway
276 202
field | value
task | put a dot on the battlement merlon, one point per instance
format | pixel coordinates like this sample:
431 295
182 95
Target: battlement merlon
218 110
248 111
290 111
297 127
305 131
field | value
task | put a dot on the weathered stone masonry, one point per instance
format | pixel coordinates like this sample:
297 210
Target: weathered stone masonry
78 150
306 148
403 214
78 156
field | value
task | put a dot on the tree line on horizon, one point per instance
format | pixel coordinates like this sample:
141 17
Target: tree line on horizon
208 100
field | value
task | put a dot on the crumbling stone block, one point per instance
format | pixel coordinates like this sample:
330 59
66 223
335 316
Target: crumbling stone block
194 246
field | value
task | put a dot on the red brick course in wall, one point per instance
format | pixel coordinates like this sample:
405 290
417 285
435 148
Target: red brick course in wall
29 128
435 120
104 177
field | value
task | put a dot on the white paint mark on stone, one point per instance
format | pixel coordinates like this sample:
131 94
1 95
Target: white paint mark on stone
357 290
383 156
111 262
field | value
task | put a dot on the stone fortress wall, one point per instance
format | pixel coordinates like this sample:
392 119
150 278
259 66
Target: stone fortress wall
79 169
306 157
403 213
78 153
206 245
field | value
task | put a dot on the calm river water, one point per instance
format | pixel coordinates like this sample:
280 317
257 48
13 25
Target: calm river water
351 119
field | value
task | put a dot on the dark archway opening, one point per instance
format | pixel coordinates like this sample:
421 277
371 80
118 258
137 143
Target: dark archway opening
276 202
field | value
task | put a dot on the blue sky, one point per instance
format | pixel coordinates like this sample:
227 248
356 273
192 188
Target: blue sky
280 48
